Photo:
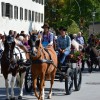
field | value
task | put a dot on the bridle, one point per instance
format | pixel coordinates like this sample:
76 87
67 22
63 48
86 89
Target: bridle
9 49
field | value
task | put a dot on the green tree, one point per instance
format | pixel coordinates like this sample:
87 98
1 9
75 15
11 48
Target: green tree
62 12
73 28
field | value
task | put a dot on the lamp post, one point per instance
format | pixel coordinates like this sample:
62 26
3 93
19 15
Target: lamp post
93 15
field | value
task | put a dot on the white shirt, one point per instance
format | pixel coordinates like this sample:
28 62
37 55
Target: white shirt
76 45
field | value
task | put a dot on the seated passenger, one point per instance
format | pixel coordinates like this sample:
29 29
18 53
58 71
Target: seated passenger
63 44
47 36
75 44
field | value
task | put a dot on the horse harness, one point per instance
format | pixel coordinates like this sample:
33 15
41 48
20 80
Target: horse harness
43 60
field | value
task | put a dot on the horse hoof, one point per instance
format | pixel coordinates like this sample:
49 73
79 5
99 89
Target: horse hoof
7 99
19 97
12 98
49 97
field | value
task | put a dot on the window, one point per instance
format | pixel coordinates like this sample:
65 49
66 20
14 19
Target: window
9 10
3 9
33 0
29 15
21 13
41 17
15 12
39 1
36 16
42 2
26 12
32 15
36 0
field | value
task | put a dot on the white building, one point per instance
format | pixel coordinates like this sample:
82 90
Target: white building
21 15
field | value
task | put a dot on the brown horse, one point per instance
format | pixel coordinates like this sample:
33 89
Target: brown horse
44 63
9 65
93 57
97 43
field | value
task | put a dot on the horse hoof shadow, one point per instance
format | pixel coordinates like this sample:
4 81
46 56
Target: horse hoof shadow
7 99
12 98
20 97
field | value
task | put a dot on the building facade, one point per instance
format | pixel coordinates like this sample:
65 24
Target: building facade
21 15
94 29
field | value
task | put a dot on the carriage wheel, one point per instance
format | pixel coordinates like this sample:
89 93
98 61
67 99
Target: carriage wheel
28 80
77 79
69 81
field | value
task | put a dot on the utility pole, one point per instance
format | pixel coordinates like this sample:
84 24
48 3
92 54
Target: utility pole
93 15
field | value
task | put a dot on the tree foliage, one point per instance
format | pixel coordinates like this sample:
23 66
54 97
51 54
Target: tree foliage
62 12
73 28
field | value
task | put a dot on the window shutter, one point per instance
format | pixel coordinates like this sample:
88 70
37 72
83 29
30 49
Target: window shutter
3 9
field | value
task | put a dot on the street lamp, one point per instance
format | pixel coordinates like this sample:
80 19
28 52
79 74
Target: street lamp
93 15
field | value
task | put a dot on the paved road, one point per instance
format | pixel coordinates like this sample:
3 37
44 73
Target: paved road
90 89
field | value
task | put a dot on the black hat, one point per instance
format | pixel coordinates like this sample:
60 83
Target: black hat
62 28
45 25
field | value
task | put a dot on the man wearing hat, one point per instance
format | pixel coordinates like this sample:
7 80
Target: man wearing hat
47 36
64 45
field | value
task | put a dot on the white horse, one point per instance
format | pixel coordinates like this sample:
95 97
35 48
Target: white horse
20 77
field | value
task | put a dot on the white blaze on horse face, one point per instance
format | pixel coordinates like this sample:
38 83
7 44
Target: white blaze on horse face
34 49
39 37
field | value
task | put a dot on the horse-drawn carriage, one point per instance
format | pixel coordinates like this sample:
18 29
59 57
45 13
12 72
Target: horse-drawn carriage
42 63
70 73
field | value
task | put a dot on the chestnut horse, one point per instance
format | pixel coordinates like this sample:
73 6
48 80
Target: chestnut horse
44 63
10 65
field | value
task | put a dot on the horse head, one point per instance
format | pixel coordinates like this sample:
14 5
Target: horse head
35 43
9 45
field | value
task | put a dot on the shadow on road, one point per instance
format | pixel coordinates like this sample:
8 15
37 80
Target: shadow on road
16 90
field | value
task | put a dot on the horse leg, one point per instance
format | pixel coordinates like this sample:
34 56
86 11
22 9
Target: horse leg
34 86
51 82
12 83
22 80
42 84
91 66
7 88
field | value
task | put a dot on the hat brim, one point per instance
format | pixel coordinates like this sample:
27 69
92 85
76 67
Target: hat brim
45 26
